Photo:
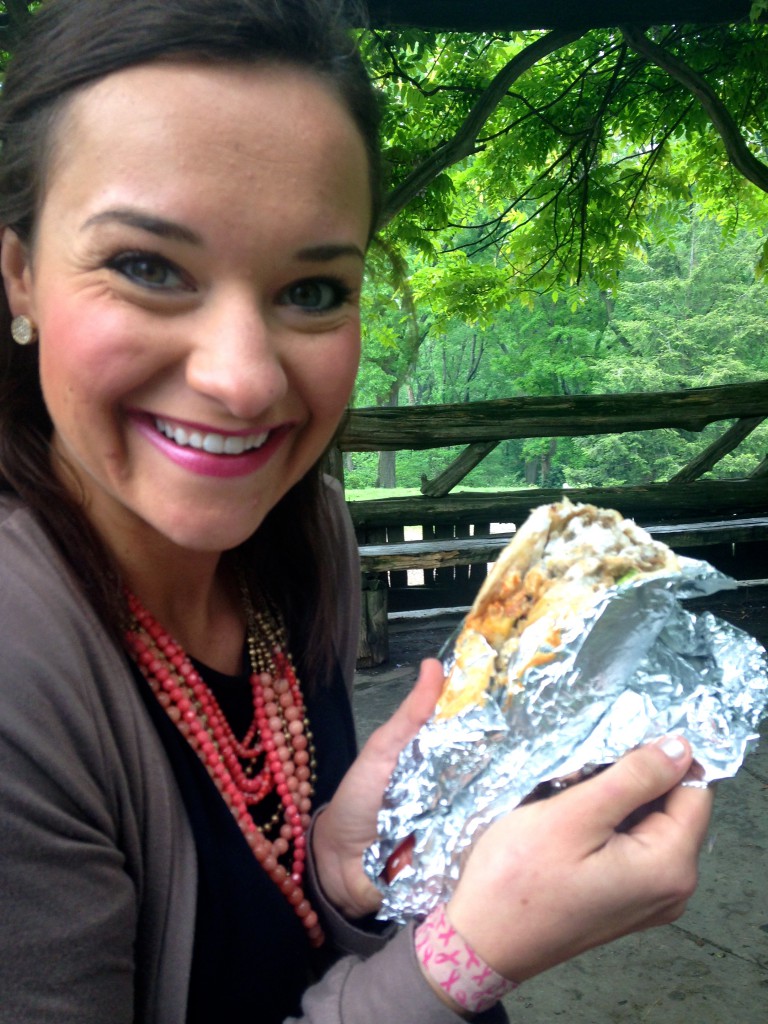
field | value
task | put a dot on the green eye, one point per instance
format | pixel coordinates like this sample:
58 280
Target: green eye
315 295
149 271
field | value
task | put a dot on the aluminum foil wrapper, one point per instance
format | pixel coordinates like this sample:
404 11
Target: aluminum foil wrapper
635 667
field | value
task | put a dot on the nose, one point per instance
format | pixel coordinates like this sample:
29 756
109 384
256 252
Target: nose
236 359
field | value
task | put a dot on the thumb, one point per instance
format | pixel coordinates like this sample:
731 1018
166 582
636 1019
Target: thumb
641 776
415 709
421 701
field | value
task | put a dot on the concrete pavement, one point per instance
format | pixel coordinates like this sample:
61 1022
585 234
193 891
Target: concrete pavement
710 967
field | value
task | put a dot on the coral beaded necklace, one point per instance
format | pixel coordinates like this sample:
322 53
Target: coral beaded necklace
274 756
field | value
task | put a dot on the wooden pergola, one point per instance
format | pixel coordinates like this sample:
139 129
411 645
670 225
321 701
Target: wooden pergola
723 521
510 15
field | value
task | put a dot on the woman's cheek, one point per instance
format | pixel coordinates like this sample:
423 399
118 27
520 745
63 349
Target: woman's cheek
93 353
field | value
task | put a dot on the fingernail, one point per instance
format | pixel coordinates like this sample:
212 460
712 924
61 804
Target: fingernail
673 747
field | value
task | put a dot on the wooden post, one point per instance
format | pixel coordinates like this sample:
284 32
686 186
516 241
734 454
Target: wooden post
444 577
334 464
373 648
461 572
479 570
397 580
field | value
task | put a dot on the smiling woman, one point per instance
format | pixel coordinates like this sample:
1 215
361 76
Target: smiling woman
187 191
221 317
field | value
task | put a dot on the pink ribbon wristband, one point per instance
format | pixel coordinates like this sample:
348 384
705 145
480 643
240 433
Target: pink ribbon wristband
455 967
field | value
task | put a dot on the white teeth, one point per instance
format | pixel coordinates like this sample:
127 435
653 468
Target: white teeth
213 443
216 444
234 446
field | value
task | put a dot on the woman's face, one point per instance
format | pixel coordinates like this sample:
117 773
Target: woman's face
195 279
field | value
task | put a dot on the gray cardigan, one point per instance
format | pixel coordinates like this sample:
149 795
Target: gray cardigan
97 860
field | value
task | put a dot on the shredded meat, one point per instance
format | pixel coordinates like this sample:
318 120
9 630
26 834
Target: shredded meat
560 559
586 550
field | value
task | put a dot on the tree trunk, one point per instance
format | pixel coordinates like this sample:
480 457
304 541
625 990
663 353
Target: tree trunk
387 475
546 462
387 470
532 471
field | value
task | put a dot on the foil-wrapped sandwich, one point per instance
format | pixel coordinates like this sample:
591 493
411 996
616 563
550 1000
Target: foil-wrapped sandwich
560 563
576 649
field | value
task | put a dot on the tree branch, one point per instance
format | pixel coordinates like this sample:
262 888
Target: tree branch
12 24
736 148
463 142
400 74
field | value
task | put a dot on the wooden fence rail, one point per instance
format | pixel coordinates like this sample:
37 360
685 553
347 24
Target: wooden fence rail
437 426
483 425
659 503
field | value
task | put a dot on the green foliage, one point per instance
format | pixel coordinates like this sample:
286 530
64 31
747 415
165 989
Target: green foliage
565 169
687 311
564 178
361 470
411 465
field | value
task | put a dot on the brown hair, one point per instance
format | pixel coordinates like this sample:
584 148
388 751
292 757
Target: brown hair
68 44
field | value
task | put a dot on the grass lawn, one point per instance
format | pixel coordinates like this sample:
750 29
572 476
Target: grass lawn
372 493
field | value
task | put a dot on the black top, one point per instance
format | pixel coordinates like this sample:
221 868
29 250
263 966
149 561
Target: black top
251 959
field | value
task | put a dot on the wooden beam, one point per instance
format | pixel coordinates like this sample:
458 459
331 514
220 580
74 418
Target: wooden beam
711 455
416 554
438 426
726 531
513 15
472 456
430 554
701 500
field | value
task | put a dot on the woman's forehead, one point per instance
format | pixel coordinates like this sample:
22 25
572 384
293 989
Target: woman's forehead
199 136
230 95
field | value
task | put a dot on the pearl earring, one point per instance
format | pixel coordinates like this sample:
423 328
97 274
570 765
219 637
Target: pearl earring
23 331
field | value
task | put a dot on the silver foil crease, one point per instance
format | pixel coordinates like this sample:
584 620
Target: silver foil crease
636 667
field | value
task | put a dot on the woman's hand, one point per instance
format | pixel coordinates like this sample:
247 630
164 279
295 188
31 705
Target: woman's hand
557 877
347 826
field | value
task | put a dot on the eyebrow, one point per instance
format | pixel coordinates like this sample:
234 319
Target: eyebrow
326 253
178 232
146 222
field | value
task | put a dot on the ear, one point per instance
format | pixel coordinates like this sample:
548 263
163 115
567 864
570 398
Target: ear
16 268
